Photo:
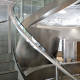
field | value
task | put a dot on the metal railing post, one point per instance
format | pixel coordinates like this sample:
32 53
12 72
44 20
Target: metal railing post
57 73
21 11
9 33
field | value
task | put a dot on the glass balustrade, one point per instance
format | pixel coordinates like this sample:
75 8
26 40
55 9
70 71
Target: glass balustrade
24 8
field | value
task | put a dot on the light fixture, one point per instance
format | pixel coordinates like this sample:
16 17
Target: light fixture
25 14
74 31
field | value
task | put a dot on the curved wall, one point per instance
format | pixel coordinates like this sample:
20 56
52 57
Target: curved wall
29 57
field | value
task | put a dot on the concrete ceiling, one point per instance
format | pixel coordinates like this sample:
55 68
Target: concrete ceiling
68 17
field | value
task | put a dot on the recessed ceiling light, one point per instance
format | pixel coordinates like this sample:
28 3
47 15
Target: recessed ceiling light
62 12
74 30
25 14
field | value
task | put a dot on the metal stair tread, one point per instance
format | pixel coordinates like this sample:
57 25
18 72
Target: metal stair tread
6 72
4 53
1 62
3 46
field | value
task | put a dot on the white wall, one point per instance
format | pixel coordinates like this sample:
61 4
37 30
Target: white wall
70 33
67 32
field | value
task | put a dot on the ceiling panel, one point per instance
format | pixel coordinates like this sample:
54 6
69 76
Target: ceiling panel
69 16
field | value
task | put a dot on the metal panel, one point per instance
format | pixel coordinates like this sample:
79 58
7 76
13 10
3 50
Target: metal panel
28 56
49 39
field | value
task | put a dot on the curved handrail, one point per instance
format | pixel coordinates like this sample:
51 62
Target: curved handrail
26 37
33 69
24 77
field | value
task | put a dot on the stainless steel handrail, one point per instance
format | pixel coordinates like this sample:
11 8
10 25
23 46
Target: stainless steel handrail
26 37
17 64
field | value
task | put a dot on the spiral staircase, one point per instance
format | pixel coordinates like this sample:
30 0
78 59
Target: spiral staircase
34 49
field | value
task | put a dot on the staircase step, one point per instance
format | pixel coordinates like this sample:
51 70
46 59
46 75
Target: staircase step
6 66
6 57
3 33
9 75
3 49
3 41
3 45
3 52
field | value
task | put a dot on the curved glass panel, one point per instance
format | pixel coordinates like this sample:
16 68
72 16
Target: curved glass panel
23 8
